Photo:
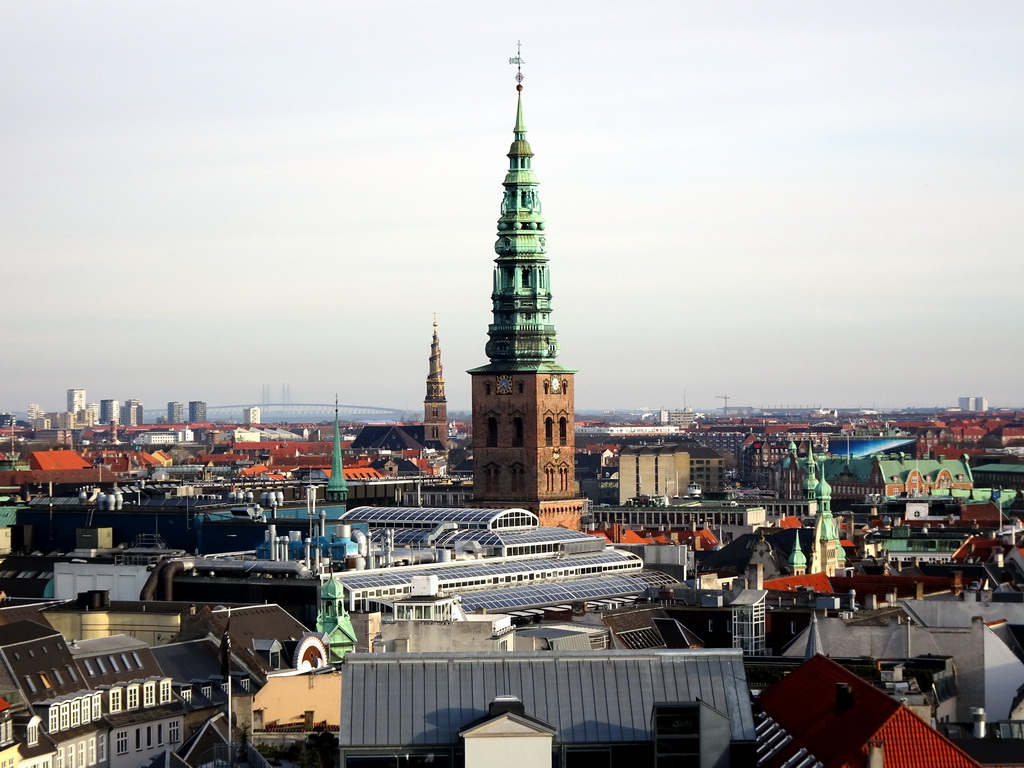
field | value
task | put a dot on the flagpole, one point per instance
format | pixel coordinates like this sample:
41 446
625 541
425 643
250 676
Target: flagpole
232 757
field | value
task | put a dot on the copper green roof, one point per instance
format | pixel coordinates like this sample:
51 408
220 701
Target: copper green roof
522 335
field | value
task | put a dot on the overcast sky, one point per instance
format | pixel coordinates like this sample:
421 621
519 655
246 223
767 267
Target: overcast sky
785 202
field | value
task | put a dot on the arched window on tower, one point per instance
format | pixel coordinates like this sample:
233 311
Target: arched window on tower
563 431
492 432
517 431
549 429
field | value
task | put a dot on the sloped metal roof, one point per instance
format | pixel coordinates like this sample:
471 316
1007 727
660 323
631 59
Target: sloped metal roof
587 696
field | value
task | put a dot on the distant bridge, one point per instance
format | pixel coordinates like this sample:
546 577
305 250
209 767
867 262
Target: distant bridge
274 412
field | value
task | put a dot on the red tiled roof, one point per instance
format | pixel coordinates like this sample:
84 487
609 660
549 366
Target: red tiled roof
50 461
804 703
817 581
790 522
880 586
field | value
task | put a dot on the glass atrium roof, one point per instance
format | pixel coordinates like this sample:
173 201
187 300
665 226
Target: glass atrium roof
456 572
535 595
423 517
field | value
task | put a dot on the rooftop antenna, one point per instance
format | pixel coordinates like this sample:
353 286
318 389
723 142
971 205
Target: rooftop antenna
518 61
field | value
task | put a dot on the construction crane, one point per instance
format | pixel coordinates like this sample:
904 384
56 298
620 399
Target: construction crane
725 404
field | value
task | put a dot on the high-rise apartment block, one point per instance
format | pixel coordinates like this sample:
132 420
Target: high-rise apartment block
974 404
196 411
76 400
35 411
251 415
110 411
131 413
175 412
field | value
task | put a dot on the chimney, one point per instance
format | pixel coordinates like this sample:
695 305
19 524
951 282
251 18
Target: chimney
755 576
978 715
506 703
870 601
876 753
919 590
844 697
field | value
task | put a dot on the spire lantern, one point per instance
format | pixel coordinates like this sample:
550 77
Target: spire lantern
337 488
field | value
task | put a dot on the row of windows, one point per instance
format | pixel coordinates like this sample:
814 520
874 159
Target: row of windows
86 753
114 661
146 737
85 709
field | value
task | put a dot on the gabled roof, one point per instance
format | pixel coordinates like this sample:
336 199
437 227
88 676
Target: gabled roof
835 726
587 696
57 460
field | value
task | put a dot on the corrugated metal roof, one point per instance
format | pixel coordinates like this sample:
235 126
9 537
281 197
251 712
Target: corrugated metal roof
588 696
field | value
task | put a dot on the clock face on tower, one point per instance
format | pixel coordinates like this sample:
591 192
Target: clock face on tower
504 385
556 384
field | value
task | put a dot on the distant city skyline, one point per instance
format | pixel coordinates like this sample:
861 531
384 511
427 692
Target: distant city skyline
152 405
793 202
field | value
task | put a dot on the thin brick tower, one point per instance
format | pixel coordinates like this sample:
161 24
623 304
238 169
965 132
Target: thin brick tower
523 412
435 404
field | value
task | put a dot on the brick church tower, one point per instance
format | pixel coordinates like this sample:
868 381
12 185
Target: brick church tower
523 413
435 404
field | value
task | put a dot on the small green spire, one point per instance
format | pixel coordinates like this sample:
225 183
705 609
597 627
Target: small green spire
797 558
337 488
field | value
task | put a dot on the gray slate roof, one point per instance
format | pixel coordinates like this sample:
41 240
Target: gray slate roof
587 696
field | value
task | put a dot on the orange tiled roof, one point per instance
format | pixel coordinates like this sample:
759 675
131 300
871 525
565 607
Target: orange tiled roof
51 461
790 522
804 703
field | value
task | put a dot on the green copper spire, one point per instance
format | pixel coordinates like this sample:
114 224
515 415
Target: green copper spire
810 473
797 558
337 488
521 336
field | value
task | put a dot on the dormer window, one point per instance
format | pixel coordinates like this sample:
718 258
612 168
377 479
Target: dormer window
32 733
165 691
115 700
149 694
133 697
54 725
186 694
75 708
207 691
97 706
65 716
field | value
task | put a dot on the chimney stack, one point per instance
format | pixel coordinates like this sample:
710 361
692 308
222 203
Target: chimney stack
978 715
876 753
844 697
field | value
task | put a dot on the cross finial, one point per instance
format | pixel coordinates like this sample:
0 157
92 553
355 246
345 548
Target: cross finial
518 61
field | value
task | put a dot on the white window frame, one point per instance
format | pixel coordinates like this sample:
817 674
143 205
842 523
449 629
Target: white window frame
54 718
115 700
174 731
165 691
133 698
149 694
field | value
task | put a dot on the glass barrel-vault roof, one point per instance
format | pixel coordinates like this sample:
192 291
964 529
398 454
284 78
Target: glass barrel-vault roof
553 593
424 517
449 573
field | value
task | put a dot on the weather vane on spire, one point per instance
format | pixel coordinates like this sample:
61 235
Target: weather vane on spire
518 61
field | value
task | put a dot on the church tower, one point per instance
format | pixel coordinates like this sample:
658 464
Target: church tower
337 489
435 404
523 412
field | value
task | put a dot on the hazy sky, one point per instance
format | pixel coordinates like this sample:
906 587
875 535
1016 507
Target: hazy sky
786 202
